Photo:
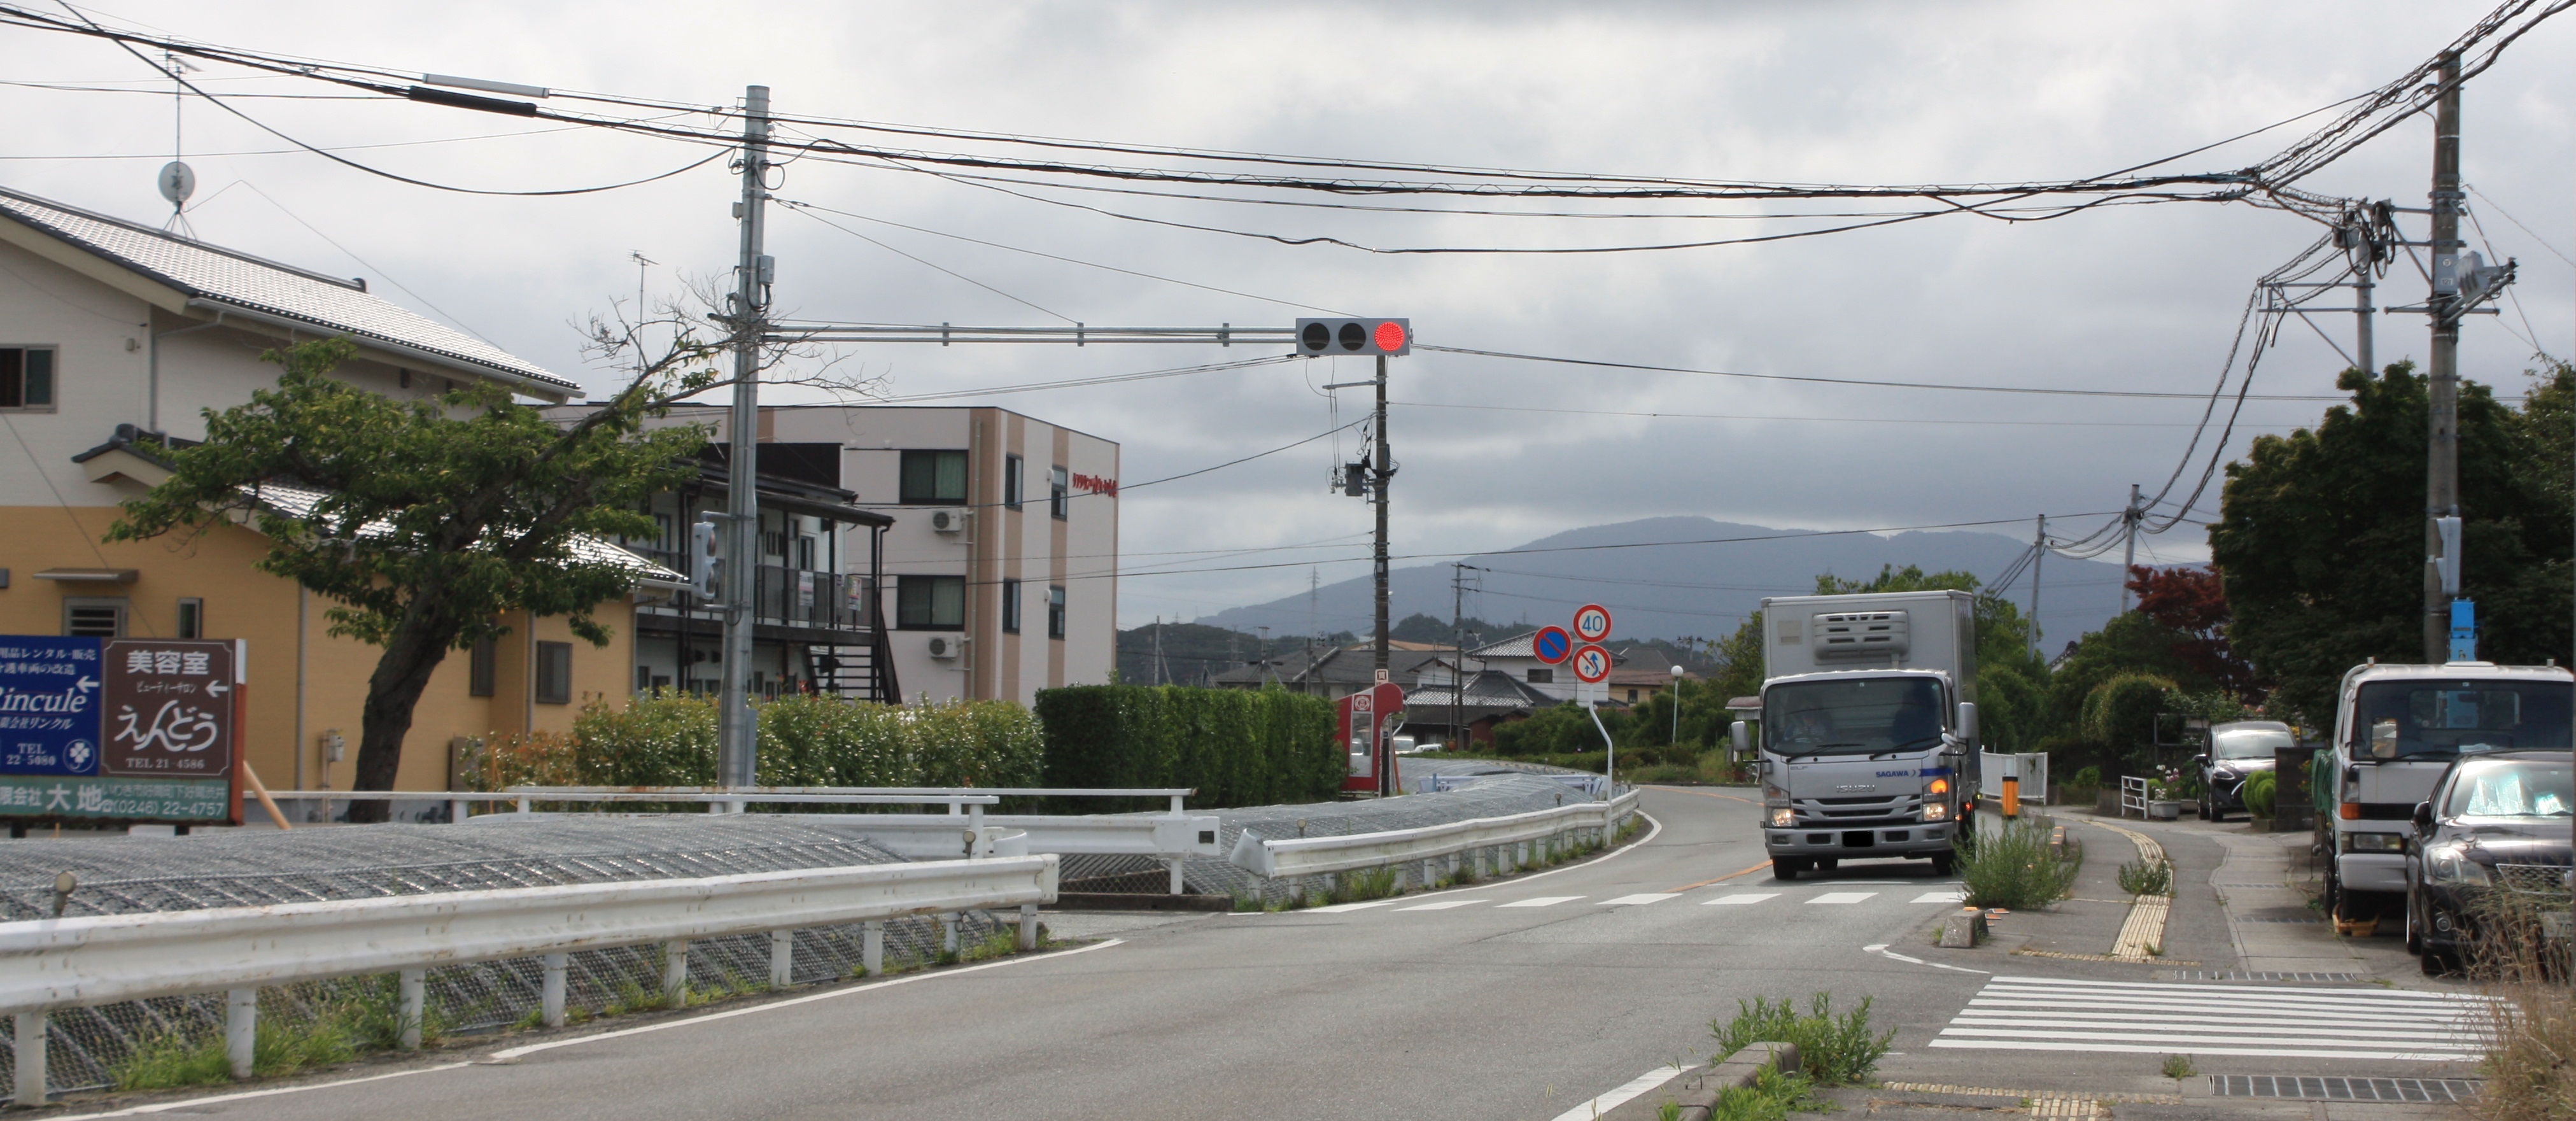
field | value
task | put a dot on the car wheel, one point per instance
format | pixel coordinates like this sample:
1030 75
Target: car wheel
2414 931
1942 863
1785 869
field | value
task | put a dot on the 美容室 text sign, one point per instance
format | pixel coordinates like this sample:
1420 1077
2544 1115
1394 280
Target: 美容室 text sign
119 730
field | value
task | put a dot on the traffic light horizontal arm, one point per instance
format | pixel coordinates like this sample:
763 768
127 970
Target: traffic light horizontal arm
1079 335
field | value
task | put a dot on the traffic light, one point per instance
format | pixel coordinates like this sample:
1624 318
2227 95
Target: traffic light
706 561
1317 338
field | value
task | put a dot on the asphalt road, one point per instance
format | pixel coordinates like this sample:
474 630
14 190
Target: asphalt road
1458 1005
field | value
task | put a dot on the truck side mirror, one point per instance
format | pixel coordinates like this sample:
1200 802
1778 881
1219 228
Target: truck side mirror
1742 736
1967 721
2423 817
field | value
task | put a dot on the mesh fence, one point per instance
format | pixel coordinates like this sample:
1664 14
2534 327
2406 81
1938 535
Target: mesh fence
89 1046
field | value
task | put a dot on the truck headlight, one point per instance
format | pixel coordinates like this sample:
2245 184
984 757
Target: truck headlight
2446 864
1936 811
1783 817
2374 842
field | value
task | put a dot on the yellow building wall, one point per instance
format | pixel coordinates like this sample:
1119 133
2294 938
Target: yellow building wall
245 603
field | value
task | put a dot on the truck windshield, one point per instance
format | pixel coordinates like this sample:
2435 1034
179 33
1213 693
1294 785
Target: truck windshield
2436 718
1847 717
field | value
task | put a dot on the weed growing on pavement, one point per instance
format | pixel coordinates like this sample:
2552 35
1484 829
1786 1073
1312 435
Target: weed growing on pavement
1771 1097
2178 1067
1833 1050
340 1021
2138 877
2014 867
2519 954
1363 884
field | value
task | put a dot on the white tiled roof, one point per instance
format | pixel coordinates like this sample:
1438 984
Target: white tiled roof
222 275
299 502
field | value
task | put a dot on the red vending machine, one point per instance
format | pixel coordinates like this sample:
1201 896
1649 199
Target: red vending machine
1368 720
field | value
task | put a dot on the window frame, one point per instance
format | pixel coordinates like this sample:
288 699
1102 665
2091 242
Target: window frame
483 667
191 622
931 582
1055 611
123 607
905 495
1015 472
1059 492
1010 605
52 380
554 660
1541 675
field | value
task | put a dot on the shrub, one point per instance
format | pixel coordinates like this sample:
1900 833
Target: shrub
1236 747
2261 791
2138 877
2013 867
2121 712
1832 1050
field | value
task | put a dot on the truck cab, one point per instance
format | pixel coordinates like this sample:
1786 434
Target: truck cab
2398 728
1868 719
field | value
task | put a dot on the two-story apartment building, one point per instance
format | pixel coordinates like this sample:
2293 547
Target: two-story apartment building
111 332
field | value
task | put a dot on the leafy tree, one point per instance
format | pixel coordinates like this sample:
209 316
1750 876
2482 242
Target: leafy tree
1739 661
2321 533
2193 602
2120 713
433 516
2128 644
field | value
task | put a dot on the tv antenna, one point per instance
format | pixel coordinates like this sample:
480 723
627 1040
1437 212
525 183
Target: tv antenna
178 181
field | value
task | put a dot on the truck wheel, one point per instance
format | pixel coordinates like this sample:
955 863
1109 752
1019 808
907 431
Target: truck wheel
1942 863
1785 869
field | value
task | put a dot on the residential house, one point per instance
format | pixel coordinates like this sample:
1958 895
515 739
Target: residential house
1335 671
114 337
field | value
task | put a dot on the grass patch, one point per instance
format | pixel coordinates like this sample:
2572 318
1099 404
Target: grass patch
2519 953
2013 866
2178 1067
2138 877
1773 1096
348 1018
1361 885
1832 1050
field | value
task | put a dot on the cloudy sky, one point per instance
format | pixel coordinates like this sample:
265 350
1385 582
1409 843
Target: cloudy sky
1493 452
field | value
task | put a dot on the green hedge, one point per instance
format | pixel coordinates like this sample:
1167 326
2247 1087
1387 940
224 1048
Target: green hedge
1237 747
804 741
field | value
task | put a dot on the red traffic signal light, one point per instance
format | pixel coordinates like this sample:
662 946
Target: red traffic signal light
1317 338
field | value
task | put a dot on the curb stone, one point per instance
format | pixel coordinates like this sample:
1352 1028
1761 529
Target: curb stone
1696 1090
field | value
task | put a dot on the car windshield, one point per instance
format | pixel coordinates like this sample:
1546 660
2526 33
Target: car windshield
2249 743
1845 717
2438 718
2512 788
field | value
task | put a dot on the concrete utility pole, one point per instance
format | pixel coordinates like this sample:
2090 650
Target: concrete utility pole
2129 522
1457 648
737 742
2039 552
2442 465
1385 471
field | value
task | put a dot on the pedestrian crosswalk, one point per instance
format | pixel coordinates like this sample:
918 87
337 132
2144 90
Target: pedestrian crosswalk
1717 898
2047 1014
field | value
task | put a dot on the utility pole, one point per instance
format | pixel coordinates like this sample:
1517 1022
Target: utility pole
2361 311
2442 465
2129 523
1385 471
737 744
2039 552
1458 648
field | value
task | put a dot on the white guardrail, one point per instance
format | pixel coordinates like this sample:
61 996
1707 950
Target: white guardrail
1511 835
88 960
2031 769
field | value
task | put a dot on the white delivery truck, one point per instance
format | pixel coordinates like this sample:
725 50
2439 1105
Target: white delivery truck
1869 720
2397 729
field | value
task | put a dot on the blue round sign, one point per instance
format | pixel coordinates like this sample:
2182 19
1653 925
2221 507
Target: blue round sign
1552 644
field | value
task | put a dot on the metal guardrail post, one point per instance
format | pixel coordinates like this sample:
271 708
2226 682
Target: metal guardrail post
675 973
872 948
413 985
980 846
948 932
1178 888
782 958
551 998
30 1048
241 1029
458 809
1028 926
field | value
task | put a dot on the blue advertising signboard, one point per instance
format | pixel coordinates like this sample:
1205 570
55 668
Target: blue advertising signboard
50 693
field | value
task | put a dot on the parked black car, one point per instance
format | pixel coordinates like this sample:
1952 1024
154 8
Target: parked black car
2497 822
2236 752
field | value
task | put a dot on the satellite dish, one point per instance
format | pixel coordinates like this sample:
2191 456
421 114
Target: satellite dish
178 181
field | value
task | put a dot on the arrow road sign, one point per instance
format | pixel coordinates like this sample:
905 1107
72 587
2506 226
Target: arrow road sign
1592 622
1591 664
1552 644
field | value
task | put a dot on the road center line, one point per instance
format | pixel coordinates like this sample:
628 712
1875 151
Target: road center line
1722 879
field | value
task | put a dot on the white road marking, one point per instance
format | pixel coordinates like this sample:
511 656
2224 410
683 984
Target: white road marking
1835 897
1639 900
1619 1097
191 1104
1882 951
1543 901
1739 899
1339 908
2132 1017
1443 905
1939 897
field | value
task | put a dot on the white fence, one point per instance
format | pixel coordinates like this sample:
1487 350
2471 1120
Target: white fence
1494 842
88 960
2031 770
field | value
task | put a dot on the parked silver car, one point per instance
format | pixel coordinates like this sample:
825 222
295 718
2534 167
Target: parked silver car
2237 752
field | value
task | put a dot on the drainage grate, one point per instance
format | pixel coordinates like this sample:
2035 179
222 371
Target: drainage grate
2310 919
2343 1089
2268 975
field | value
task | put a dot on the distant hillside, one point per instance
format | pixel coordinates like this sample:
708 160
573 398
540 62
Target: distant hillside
1701 579
1191 651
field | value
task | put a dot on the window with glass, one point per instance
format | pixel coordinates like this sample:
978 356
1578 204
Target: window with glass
1542 675
1852 717
1010 606
192 618
2512 788
1059 488
27 378
483 667
930 603
1014 476
2438 719
933 478
1055 612
554 673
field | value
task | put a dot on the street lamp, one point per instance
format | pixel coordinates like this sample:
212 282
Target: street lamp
1677 706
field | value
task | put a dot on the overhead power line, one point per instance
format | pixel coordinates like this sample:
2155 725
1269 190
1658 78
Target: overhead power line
1870 382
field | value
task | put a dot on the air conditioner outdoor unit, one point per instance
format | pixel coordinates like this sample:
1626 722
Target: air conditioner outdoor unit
942 646
948 521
